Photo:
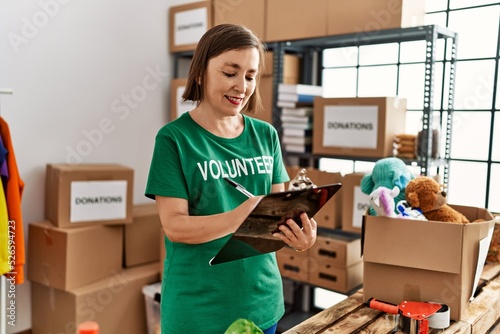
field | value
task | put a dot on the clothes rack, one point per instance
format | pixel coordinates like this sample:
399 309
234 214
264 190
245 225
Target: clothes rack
3 280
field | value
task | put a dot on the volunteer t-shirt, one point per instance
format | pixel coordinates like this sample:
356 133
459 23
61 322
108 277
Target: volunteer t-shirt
190 163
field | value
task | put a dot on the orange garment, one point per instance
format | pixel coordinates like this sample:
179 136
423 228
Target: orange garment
13 194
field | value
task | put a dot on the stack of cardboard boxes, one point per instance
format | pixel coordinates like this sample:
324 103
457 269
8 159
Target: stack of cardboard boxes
284 20
334 262
94 253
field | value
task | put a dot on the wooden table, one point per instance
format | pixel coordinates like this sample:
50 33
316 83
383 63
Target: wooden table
353 316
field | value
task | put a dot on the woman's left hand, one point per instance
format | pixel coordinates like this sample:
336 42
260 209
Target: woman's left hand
298 238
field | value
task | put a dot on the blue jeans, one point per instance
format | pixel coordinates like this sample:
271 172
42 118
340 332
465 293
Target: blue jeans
271 330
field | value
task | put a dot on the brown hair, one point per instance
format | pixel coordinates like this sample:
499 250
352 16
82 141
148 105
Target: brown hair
217 40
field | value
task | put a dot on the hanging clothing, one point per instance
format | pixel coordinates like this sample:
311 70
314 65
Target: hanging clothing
4 217
4 234
4 172
13 194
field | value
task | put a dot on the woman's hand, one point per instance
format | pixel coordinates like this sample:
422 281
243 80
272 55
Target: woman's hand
298 238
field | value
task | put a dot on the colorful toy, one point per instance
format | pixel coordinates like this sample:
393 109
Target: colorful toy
389 173
425 194
382 201
406 211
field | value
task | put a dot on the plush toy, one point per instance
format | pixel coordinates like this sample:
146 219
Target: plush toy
406 211
382 201
425 193
389 173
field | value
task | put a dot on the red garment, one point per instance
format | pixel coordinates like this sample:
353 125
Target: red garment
13 194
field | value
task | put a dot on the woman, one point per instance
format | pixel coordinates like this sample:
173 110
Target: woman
199 211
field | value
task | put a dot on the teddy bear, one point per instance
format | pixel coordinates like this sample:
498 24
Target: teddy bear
425 193
389 173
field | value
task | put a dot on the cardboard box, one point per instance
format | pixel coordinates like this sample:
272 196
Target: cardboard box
359 127
329 216
292 264
266 94
291 74
116 303
291 67
250 13
83 194
141 237
346 17
339 250
295 19
337 279
70 258
354 202
177 106
425 260
335 262
187 24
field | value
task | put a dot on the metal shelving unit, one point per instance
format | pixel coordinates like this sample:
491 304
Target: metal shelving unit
312 49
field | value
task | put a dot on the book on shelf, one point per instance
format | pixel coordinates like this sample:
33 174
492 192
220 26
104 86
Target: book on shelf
295 119
290 104
303 111
296 125
295 140
298 148
300 89
293 132
301 98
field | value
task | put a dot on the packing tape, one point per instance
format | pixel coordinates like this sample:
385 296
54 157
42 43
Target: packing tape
440 319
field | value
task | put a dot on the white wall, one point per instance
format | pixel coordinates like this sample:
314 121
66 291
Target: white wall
73 65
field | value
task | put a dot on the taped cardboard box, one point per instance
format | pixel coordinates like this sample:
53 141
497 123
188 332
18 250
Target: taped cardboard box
177 105
346 17
141 237
291 73
291 67
337 249
187 24
250 13
335 262
354 202
429 261
116 303
83 194
295 19
294 265
358 126
329 216
66 259
337 279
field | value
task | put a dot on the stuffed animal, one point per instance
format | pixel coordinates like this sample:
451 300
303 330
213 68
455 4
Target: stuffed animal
425 194
406 211
382 201
388 172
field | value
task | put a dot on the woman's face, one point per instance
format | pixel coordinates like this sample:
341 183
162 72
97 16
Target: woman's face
231 80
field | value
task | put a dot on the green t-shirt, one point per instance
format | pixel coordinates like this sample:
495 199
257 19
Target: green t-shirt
190 162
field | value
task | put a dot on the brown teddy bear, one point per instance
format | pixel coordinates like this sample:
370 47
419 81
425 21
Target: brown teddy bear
425 194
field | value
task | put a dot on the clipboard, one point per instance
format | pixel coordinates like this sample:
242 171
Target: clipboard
254 236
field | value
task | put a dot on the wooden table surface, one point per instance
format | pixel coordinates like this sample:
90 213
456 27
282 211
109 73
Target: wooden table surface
353 316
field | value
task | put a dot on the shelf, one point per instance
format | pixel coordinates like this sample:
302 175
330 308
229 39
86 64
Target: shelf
312 49
372 37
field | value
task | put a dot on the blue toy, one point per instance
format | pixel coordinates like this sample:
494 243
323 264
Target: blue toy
389 173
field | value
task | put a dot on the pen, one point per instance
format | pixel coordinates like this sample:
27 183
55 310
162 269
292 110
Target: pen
239 187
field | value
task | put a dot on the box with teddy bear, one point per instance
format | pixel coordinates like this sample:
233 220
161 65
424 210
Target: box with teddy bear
416 247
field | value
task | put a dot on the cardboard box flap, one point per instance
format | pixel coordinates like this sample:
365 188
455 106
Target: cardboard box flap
406 244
